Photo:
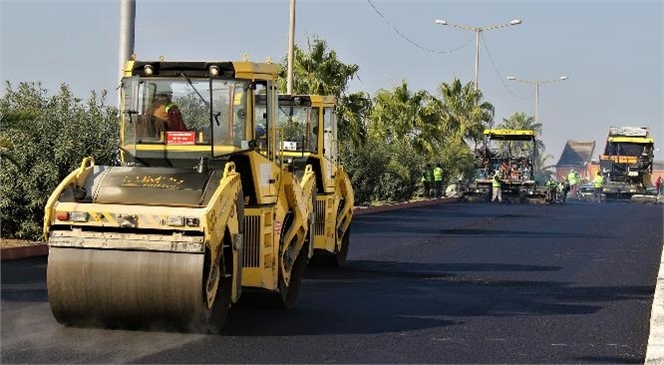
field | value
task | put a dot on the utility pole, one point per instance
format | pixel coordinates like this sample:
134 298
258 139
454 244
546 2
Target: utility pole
127 25
477 31
537 84
291 49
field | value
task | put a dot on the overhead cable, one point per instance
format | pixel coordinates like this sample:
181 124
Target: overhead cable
410 40
500 76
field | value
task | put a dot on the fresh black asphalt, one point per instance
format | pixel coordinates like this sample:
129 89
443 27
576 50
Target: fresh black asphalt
454 283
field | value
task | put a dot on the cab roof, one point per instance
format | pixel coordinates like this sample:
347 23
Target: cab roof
227 69
510 134
637 140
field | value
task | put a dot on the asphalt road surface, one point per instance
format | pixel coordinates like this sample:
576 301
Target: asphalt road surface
454 283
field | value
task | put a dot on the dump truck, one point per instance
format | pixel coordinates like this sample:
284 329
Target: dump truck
309 125
513 153
189 218
627 164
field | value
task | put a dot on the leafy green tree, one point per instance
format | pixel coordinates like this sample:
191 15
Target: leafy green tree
525 122
352 112
43 139
457 161
318 71
383 172
521 121
463 110
545 172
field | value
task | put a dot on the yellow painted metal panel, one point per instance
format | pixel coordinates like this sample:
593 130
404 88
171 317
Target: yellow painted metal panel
638 140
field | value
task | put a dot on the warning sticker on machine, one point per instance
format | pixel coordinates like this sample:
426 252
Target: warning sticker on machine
181 138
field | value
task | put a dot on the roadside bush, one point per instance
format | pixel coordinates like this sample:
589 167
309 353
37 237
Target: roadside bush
382 172
43 139
364 164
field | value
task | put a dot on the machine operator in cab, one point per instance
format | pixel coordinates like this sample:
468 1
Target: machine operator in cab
167 116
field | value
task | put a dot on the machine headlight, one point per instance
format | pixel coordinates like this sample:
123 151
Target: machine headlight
180 221
79 216
175 221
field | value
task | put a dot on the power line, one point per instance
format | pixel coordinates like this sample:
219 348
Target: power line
410 40
500 76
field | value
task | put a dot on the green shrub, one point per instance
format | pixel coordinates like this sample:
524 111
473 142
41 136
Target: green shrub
44 138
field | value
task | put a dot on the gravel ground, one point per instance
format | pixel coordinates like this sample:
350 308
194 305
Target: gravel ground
11 242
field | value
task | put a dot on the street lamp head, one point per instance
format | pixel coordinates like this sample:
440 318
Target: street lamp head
563 77
511 78
515 22
441 22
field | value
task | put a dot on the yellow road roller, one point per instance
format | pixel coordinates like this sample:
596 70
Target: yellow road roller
309 127
201 206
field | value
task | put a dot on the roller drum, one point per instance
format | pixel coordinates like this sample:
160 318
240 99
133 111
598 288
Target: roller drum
104 287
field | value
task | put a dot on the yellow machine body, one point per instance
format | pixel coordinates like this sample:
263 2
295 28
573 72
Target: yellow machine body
317 146
517 148
191 217
626 164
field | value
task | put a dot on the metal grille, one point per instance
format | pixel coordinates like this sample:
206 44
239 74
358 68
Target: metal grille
319 224
251 241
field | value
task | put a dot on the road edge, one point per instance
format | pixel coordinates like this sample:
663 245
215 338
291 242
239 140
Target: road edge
15 253
655 346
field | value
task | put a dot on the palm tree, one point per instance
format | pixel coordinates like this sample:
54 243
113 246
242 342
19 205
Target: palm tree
318 70
407 116
521 121
352 112
544 173
463 111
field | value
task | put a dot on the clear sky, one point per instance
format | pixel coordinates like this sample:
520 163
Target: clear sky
611 51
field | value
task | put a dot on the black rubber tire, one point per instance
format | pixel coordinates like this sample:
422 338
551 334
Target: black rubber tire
215 318
290 293
342 252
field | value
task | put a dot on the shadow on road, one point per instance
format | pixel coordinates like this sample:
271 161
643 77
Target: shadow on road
24 280
369 297
518 234
610 360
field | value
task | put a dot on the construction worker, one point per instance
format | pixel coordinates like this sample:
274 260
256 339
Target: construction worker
573 179
167 116
438 180
598 183
427 179
563 189
496 187
552 190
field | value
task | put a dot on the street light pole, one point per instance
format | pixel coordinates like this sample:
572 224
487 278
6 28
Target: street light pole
291 49
537 84
477 59
477 31
127 36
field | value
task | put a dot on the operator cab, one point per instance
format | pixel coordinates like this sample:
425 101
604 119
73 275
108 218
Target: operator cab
217 109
